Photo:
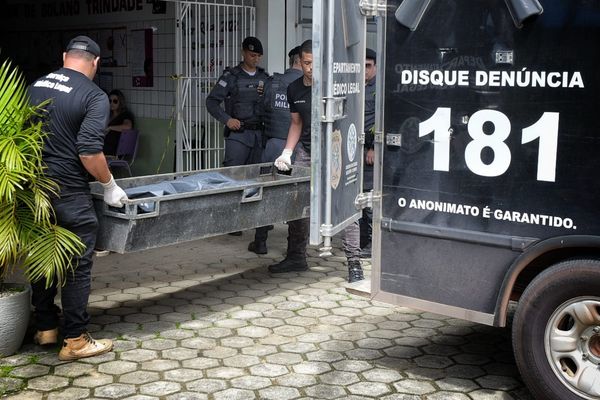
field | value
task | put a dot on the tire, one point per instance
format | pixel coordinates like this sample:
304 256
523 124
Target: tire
556 349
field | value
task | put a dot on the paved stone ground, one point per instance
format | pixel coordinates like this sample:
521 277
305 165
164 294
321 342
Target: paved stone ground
205 320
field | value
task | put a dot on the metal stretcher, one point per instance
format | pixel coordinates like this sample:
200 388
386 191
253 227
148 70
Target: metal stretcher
173 208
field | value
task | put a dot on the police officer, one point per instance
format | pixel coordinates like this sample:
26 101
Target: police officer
241 89
366 222
277 123
277 110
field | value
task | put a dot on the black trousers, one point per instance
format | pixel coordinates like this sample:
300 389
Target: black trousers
75 212
273 149
366 227
366 222
299 230
243 148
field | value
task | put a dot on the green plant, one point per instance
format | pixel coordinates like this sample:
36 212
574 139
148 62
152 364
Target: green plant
33 359
28 236
5 370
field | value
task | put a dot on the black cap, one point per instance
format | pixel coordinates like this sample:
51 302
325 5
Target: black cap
371 55
84 43
294 51
252 44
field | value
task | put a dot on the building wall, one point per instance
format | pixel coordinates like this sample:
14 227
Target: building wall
34 34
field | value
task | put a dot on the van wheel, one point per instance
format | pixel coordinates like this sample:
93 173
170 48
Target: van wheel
556 332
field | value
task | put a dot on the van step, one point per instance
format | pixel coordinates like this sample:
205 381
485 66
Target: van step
360 288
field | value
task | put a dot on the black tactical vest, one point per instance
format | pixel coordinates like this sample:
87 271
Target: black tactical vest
245 103
277 110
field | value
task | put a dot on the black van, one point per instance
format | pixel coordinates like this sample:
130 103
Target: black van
486 187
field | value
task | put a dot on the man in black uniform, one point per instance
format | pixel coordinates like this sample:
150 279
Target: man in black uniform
241 89
299 98
366 222
277 123
77 116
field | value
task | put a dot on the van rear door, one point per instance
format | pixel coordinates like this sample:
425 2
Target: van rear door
339 31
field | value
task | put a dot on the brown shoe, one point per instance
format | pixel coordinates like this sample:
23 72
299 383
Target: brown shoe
83 346
44 338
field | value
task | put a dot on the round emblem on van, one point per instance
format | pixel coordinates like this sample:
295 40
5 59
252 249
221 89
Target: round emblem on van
336 158
351 143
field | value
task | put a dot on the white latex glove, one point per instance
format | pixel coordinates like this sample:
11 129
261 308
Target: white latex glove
284 161
113 194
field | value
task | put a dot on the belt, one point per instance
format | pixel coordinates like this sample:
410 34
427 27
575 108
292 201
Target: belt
253 127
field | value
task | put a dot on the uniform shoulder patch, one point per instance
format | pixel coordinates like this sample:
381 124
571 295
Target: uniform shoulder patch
222 83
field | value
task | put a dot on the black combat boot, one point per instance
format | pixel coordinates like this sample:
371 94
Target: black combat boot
365 252
258 247
296 249
355 272
289 264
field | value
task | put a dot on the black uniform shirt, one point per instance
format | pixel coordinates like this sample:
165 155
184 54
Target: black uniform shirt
299 97
77 116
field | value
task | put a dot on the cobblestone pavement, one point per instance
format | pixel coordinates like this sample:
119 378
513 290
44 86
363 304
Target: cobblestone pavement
205 320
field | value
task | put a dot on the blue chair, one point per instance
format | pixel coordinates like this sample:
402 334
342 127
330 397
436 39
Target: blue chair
126 150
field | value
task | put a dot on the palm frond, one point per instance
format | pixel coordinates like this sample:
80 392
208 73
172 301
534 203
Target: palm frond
11 154
37 204
10 182
50 254
28 236
30 142
9 236
13 96
43 207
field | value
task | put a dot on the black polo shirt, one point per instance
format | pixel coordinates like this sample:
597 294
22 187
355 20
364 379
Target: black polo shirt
299 97
77 116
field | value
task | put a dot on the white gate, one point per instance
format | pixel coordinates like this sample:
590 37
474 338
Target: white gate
209 37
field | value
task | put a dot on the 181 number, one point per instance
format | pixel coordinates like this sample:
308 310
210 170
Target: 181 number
545 129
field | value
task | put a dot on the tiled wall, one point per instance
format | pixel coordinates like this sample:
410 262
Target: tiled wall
35 40
157 101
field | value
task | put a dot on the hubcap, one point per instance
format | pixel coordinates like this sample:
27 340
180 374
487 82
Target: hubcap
595 346
572 343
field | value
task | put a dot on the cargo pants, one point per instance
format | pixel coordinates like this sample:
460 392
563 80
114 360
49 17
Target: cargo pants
299 230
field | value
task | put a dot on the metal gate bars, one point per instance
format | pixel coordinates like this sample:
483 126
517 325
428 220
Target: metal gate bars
208 38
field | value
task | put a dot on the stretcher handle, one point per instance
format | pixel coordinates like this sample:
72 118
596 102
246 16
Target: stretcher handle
248 195
130 211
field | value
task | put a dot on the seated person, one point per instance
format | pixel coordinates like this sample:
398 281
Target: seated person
120 119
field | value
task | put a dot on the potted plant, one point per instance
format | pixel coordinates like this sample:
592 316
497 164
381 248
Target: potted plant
28 237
